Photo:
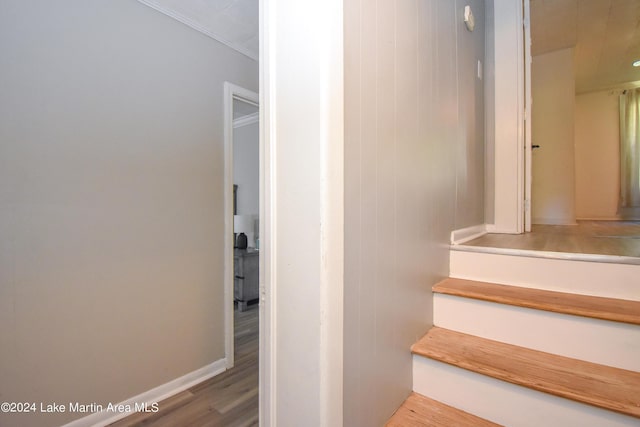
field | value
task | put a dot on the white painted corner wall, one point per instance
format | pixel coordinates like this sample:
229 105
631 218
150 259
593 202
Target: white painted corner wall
301 212
506 131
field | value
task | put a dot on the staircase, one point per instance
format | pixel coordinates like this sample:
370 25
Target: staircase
529 341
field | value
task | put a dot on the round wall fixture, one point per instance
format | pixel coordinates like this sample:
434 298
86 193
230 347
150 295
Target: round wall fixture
468 18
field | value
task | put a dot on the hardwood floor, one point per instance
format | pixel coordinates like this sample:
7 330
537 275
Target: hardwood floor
227 400
619 238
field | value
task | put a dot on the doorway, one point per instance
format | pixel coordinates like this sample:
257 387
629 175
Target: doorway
241 218
576 89
589 195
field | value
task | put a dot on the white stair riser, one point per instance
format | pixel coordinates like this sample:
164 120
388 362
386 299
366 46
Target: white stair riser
598 341
506 403
581 277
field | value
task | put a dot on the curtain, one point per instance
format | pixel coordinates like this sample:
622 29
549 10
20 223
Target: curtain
630 148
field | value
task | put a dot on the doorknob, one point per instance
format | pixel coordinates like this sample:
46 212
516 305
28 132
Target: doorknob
535 146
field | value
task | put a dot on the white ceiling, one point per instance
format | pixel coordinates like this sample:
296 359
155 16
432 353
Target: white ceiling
605 33
242 108
244 113
232 22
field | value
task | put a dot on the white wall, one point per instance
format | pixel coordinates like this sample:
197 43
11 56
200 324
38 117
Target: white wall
489 114
597 152
552 118
246 168
413 136
301 107
505 140
470 144
111 189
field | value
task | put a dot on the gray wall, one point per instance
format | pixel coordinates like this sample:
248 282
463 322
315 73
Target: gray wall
470 156
246 168
413 141
111 189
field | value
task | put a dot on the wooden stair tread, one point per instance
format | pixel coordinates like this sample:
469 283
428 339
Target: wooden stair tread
603 386
617 310
418 411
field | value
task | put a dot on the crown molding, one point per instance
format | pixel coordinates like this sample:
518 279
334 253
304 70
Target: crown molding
618 86
198 27
246 120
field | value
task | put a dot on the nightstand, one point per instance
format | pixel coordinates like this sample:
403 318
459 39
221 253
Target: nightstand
245 284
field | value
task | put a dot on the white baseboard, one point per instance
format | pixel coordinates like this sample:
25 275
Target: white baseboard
155 395
553 221
465 234
492 228
599 218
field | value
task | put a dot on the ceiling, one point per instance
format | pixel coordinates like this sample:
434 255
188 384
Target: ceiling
232 22
605 33
242 108
244 113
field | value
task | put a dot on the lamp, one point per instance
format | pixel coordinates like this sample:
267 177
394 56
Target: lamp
243 227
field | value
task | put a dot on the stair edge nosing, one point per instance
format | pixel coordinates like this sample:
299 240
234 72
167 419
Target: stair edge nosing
612 405
442 288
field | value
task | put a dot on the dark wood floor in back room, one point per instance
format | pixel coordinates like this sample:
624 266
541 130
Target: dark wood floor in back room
227 400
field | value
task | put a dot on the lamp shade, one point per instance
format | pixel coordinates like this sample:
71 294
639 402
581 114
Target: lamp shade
243 224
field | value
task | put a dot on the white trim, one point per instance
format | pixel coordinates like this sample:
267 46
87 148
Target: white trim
196 26
601 218
301 100
246 120
228 224
332 215
567 256
503 229
553 221
155 395
508 120
231 92
465 234
520 143
497 229
620 86
268 227
491 228
528 170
